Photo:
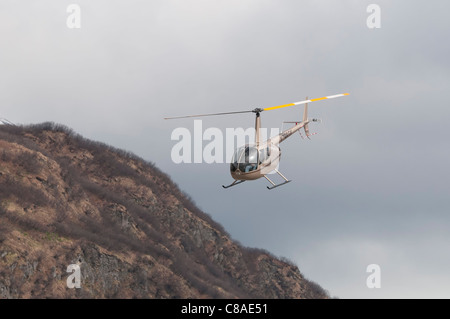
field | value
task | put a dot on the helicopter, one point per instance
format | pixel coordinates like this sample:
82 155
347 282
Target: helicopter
254 161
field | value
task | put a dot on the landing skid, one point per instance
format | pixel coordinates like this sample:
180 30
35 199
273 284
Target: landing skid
233 184
277 185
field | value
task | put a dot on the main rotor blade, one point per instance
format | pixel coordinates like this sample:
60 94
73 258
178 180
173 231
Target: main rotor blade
200 115
305 101
257 110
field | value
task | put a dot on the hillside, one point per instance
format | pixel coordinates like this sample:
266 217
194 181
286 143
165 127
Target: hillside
68 200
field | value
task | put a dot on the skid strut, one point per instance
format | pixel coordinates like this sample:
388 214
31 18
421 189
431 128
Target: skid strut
233 184
276 185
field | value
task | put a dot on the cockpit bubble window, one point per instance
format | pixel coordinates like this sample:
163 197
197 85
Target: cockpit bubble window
264 154
245 159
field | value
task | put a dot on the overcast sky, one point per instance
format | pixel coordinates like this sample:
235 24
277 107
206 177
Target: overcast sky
371 188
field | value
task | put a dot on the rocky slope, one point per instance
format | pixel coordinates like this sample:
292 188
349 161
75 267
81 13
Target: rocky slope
67 200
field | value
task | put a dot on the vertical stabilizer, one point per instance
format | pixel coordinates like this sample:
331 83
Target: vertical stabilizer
305 112
305 120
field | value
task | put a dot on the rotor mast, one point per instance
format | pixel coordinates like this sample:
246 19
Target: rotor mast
257 111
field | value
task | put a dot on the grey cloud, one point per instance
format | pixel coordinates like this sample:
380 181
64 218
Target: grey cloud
370 187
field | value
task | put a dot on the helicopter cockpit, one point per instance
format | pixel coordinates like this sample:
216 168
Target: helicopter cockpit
246 159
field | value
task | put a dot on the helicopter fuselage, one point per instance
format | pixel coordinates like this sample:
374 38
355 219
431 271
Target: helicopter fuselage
251 162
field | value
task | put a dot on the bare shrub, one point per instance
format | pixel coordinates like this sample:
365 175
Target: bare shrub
25 195
29 161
